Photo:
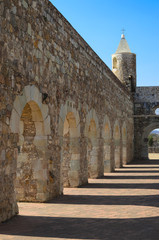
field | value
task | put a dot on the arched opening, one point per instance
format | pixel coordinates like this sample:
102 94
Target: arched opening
70 152
124 144
114 63
31 175
153 144
157 111
143 140
107 146
117 146
92 150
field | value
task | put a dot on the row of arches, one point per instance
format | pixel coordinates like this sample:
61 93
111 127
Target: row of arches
111 141
86 151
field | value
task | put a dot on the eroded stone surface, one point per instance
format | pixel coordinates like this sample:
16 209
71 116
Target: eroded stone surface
45 63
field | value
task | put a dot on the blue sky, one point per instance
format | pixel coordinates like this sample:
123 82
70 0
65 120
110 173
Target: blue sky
100 22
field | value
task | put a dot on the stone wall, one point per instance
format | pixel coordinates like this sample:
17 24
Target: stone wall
153 150
146 101
47 72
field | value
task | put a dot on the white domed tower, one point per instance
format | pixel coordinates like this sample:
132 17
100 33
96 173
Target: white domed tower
124 64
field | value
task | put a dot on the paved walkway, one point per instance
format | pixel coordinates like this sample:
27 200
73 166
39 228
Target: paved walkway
123 205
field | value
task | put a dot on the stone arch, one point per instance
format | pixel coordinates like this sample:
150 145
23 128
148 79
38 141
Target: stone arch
30 120
69 132
155 109
30 93
124 143
64 110
116 137
144 138
92 134
107 136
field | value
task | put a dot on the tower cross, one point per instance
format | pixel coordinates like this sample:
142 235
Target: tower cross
123 31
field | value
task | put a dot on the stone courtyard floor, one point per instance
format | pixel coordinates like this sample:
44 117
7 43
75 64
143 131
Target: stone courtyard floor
121 205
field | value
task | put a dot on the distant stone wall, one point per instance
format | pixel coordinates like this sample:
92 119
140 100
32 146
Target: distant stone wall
146 100
153 150
47 71
147 95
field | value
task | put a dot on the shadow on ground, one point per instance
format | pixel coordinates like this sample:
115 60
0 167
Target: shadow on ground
95 228
148 200
130 177
123 185
144 162
83 228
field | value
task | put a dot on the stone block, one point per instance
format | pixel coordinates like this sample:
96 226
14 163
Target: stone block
107 166
40 142
18 105
41 197
27 92
29 29
44 111
75 165
47 126
3 155
24 3
14 122
34 95
73 178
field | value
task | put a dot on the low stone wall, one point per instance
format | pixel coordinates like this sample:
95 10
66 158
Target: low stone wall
153 150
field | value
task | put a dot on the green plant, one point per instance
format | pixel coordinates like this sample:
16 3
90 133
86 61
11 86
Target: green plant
150 140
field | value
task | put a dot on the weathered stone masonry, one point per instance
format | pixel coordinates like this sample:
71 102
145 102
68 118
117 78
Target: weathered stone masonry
146 101
64 115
